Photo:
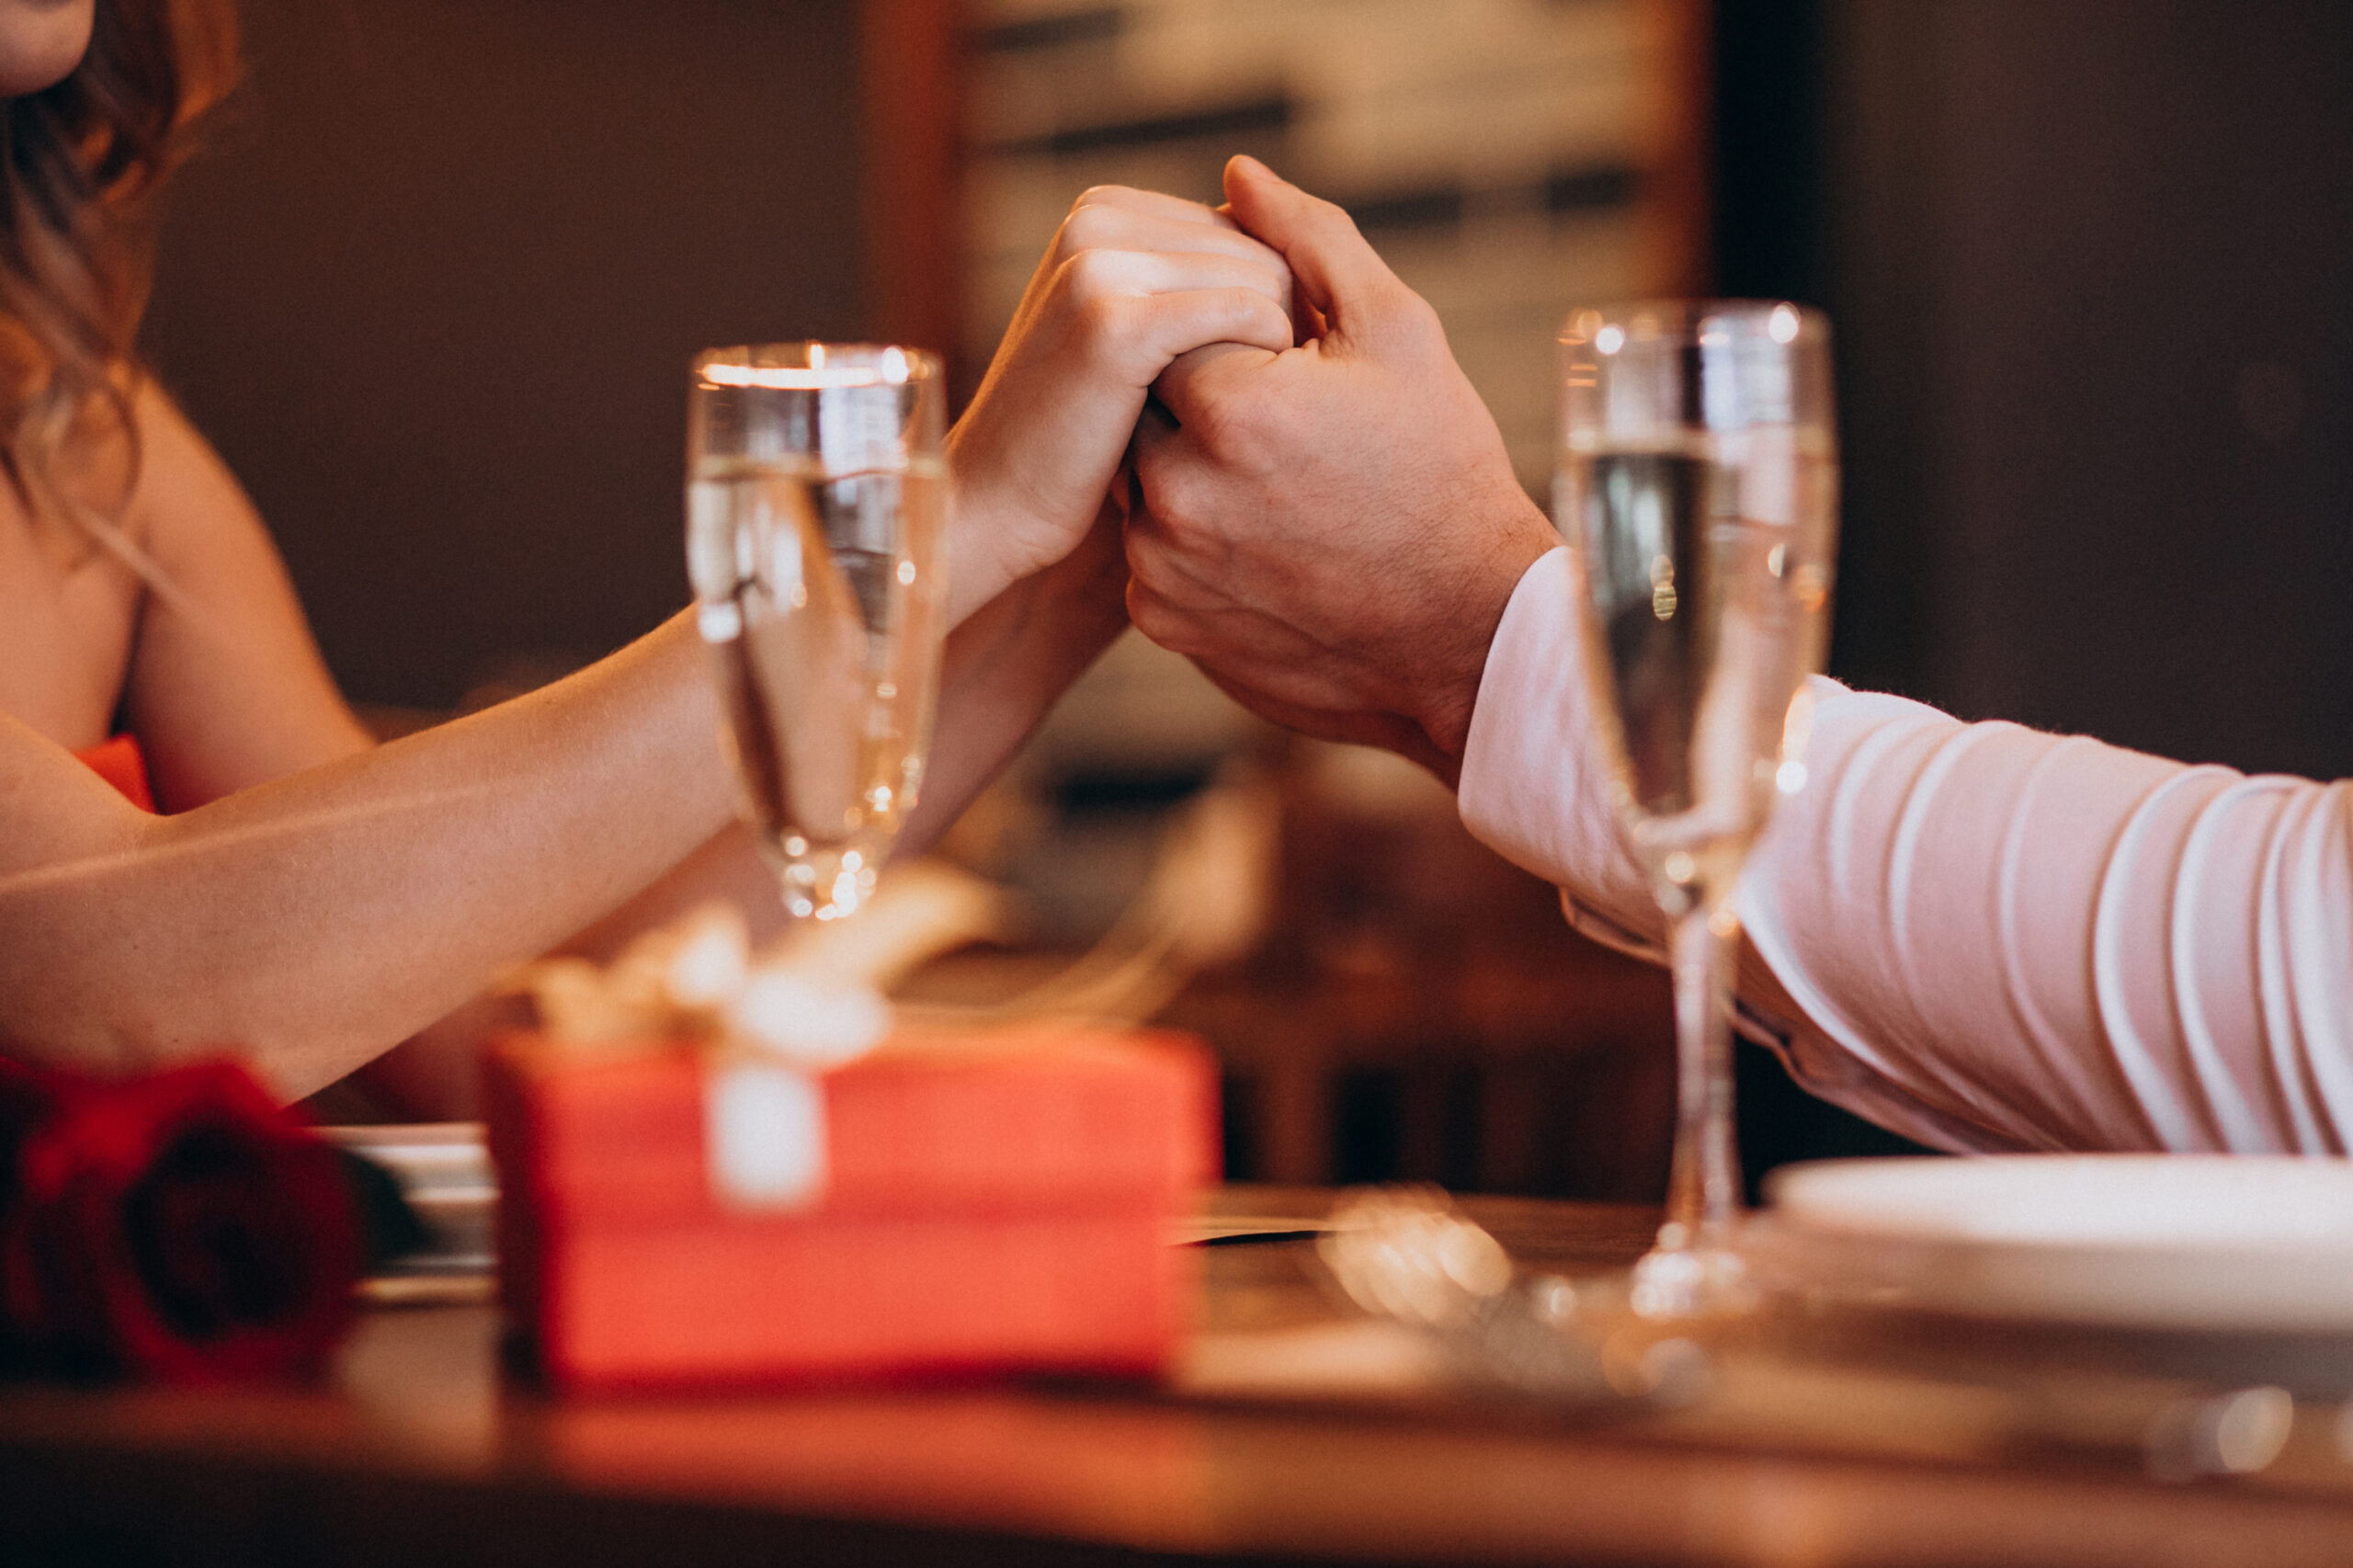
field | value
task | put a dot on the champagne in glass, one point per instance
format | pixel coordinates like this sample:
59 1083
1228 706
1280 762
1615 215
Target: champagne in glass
816 514
1697 487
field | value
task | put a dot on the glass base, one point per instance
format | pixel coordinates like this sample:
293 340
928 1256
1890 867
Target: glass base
1691 1281
820 883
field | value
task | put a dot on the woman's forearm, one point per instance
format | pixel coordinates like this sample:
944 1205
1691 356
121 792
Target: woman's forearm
1007 665
1001 672
312 922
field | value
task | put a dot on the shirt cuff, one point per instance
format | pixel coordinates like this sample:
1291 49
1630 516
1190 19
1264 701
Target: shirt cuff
1530 788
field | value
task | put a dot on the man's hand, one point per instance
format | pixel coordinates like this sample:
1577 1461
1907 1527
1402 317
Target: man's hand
1132 280
1331 531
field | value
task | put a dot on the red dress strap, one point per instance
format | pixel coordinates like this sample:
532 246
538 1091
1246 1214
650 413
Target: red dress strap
120 763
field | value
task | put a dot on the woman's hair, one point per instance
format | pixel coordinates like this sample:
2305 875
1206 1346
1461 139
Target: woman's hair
80 164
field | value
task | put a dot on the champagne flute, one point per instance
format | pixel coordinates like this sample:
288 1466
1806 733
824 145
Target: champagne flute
816 515
1697 491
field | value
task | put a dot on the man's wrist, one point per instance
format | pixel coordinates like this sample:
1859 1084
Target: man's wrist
1516 536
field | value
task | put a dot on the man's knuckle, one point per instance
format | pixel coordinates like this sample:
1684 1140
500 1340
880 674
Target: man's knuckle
1147 611
1160 621
1139 595
1154 466
1177 502
1186 517
1144 570
1240 430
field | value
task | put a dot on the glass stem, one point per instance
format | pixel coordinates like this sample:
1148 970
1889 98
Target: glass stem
1703 1190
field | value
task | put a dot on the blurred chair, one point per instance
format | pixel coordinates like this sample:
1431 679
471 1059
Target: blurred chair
1418 1010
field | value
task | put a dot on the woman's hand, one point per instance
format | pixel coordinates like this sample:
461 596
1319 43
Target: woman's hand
1133 280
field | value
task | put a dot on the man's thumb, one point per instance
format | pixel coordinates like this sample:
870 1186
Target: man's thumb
1340 274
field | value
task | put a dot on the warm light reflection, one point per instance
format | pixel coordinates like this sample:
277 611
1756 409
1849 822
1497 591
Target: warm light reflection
803 378
1810 587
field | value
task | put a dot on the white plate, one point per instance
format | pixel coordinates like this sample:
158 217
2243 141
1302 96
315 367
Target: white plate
2159 1241
445 1173
425 1155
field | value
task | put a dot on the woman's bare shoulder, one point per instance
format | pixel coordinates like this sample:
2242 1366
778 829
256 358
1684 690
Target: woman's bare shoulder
69 598
183 495
227 688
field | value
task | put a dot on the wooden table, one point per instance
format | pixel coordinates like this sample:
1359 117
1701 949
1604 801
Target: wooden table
420 1451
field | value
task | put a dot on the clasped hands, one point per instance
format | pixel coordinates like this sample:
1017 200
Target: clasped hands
1313 505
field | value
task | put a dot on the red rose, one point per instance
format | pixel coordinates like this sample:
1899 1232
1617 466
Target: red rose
175 1225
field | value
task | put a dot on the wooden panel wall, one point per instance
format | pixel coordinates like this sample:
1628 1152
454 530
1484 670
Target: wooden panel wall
434 293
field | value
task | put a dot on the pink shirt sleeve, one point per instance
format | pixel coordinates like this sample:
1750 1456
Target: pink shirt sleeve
1995 938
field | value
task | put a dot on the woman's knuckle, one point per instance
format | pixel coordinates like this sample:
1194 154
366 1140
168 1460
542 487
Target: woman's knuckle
1100 321
1081 282
1097 271
1270 317
1088 228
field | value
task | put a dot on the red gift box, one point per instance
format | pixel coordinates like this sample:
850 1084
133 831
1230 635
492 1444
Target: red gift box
982 1206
